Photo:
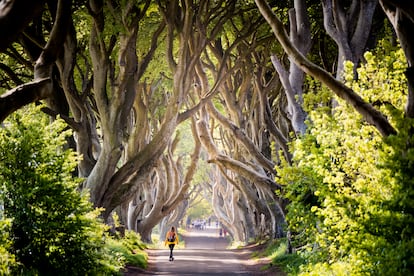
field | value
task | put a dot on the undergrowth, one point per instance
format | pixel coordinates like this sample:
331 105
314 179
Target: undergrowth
276 251
130 249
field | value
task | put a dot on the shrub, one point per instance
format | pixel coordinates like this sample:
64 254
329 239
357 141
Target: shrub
7 260
54 229
130 248
351 190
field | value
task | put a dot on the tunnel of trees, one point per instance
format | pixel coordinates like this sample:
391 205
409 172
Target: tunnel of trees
295 118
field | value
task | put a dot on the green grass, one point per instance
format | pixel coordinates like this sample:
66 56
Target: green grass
276 251
130 249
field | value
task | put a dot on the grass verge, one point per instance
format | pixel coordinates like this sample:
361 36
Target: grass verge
130 249
276 251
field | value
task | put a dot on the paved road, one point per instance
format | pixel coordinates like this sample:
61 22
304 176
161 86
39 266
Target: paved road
205 254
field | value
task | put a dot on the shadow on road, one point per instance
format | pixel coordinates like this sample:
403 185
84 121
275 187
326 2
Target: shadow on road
205 253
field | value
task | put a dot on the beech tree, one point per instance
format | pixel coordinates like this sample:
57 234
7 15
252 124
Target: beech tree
293 80
147 66
401 16
349 25
162 197
328 184
104 99
241 147
372 115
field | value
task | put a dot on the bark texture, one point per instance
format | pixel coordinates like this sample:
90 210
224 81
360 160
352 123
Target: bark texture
370 114
349 25
401 16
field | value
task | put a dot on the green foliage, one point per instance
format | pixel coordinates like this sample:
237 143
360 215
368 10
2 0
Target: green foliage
316 96
351 192
276 251
201 210
288 262
7 259
130 248
54 229
13 72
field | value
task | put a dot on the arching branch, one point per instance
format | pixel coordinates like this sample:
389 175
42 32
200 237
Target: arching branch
371 115
23 95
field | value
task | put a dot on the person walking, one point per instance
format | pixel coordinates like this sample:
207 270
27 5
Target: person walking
171 239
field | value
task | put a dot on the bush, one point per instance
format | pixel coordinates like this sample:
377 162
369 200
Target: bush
276 251
7 260
130 248
54 229
351 190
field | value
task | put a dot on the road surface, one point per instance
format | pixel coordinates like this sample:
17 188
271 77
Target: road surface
205 254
